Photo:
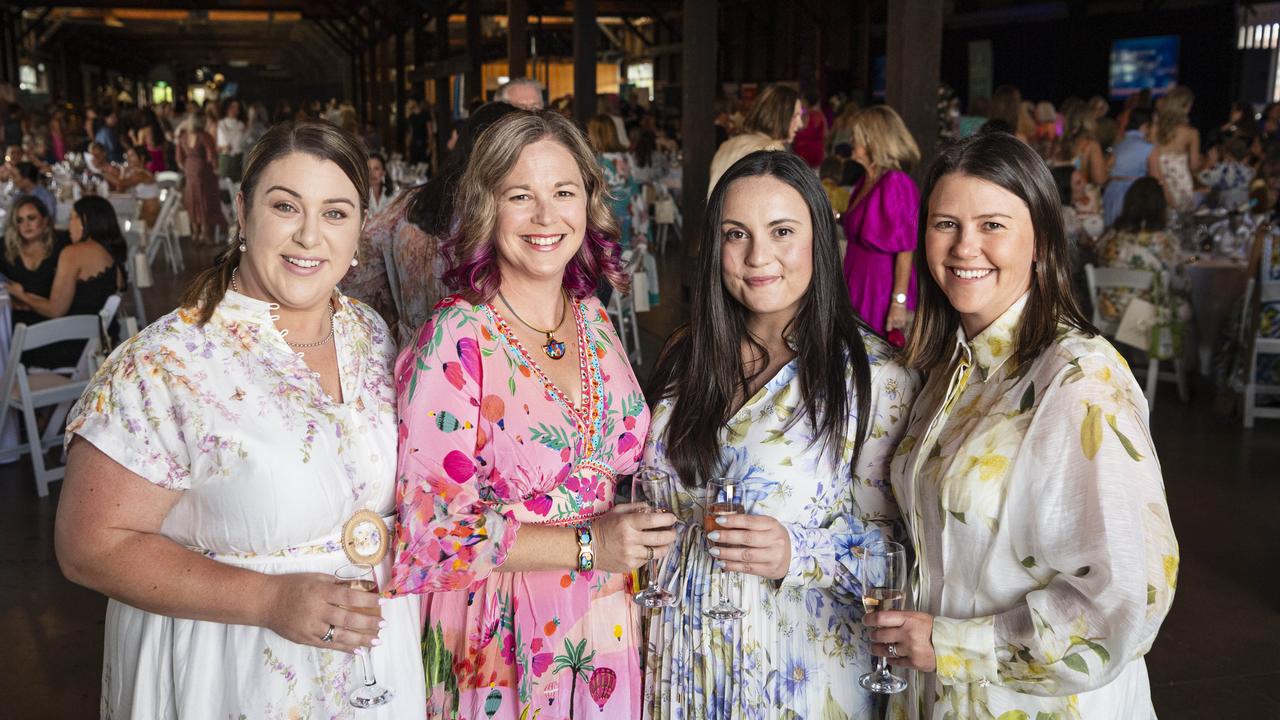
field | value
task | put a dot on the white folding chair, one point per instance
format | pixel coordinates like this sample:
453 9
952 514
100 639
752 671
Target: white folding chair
1099 279
137 272
163 236
168 179
126 207
622 311
107 315
25 390
1265 289
666 216
393 280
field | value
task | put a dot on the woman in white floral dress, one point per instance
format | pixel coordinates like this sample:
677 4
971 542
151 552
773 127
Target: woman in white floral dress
776 382
1028 480
215 458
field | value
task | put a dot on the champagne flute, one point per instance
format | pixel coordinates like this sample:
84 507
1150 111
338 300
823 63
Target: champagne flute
723 497
653 487
883 574
371 694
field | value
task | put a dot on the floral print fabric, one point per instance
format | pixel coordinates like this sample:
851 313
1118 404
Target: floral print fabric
1036 507
1156 252
419 265
269 467
488 444
798 652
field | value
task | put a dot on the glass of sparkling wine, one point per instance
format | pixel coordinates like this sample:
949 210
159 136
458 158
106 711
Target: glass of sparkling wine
723 497
883 575
371 694
653 487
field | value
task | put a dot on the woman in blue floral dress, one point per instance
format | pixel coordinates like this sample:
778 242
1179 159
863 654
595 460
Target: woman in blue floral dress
773 381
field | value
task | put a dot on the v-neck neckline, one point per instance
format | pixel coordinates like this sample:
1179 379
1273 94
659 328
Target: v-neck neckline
786 368
580 413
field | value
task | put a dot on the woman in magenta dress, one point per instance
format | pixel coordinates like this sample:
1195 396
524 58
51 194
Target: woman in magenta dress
880 223
511 443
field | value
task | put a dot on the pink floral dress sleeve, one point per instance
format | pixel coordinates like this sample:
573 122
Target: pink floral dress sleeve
447 536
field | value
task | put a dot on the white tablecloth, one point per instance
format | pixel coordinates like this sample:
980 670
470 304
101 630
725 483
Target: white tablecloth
1216 285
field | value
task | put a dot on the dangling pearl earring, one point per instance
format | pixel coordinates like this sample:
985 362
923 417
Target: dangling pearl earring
355 262
242 247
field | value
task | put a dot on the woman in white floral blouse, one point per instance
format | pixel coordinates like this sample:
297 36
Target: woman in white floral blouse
1045 556
774 380
216 455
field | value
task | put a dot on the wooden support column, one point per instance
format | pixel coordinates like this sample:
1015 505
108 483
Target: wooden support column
399 78
697 104
517 37
584 60
913 71
444 103
475 83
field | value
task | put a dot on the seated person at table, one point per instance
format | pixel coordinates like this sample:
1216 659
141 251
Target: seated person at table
89 270
30 253
1229 178
27 181
1138 241
96 160
138 181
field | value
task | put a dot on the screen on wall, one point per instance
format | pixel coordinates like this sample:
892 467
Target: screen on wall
1144 63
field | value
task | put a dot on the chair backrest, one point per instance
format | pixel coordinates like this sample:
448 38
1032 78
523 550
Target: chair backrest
168 178
126 207
1098 279
70 327
108 312
393 277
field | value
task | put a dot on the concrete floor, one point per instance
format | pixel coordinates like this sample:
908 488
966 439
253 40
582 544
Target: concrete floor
1217 659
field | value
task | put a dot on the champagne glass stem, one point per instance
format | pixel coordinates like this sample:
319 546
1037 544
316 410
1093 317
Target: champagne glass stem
366 664
652 568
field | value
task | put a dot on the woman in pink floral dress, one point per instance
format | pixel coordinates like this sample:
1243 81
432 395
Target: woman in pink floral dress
518 413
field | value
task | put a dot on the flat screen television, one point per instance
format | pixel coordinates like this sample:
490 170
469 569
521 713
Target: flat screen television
1144 63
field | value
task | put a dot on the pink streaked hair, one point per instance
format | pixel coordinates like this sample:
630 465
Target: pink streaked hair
477 276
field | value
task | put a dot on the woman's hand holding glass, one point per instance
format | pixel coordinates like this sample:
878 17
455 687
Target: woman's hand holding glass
910 633
301 606
752 544
624 536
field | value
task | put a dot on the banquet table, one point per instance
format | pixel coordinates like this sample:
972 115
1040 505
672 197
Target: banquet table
1216 285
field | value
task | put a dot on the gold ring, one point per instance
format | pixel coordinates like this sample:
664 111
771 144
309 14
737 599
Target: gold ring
328 636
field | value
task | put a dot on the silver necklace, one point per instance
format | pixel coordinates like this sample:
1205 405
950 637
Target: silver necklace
283 333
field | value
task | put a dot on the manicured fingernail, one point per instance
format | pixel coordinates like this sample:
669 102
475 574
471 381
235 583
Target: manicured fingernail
722 519
382 624
383 601
713 536
719 564
715 552
376 642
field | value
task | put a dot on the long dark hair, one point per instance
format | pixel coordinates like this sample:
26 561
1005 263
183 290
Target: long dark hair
388 186
1011 164
320 140
101 225
431 207
702 368
1144 207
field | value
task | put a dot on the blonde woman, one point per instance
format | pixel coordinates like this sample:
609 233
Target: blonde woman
1006 105
774 120
1176 158
30 253
880 223
519 412
618 166
196 156
1079 146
